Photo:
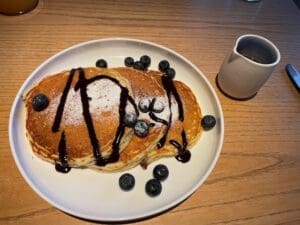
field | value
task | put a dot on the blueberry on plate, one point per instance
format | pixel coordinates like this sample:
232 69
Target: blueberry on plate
129 61
160 172
101 63
141 128
126 182
153 187
40 102
163 66
144 105
146 61
130 119
208 122
138 65
170 73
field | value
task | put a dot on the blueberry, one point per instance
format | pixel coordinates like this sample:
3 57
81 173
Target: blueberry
208 122
158 107
163 65
141 128
40 102
130 119
146 61
129 61
153 187
160 172
101 63
144 105
126 182
138 65
170 73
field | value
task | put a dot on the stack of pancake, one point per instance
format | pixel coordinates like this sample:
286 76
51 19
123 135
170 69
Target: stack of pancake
83 125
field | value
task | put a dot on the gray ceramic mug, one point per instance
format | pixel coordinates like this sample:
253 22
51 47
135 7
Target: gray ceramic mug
246 68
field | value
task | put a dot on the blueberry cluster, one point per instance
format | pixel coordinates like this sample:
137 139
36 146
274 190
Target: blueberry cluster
147 105
140 127
143 64
153 186
164 67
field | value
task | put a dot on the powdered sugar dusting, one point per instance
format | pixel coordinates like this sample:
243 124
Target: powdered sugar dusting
174 107
166 112
73 108
104 96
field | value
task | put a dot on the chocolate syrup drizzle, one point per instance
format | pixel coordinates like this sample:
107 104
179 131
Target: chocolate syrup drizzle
184 154
81 85
157 119
62 166
153 116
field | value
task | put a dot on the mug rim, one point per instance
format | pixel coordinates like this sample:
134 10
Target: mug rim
278 56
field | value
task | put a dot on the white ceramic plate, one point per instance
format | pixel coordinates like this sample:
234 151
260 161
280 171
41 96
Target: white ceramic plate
97 196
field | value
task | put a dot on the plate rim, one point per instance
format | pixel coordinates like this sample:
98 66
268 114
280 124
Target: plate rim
128 218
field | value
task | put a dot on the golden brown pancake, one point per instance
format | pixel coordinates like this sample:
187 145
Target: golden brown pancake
191 123
92 116
104 99
143 87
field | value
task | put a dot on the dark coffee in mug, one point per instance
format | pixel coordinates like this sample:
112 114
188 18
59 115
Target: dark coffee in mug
256 50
